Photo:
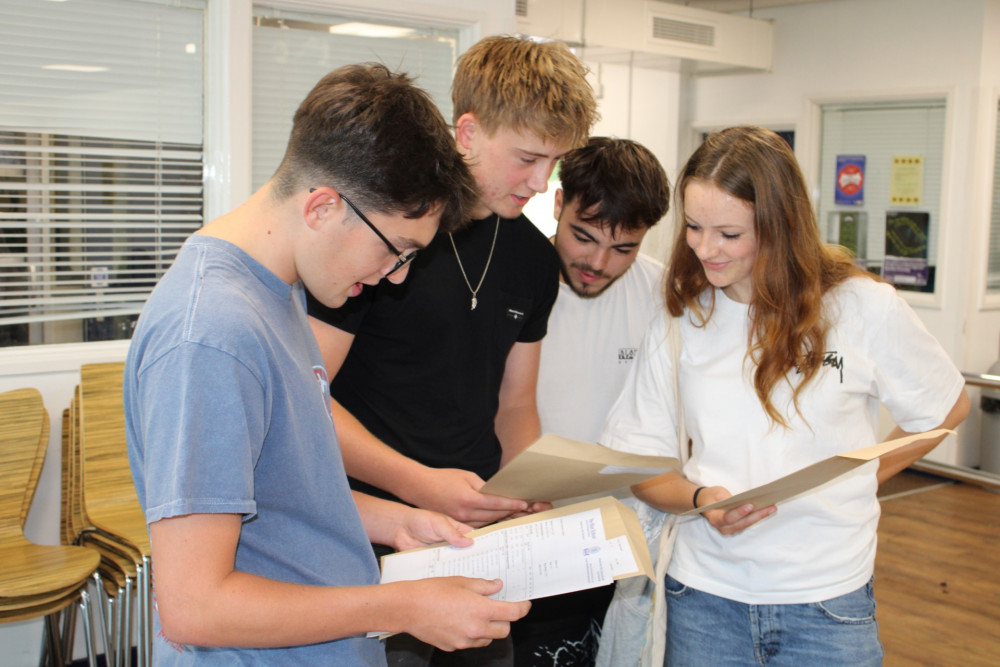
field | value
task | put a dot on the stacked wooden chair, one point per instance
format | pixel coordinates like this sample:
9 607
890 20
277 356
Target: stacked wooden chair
36 580
101 511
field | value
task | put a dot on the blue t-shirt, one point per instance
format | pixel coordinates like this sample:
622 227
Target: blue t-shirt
227 411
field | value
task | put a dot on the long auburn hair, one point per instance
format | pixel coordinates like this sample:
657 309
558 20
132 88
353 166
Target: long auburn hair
792 269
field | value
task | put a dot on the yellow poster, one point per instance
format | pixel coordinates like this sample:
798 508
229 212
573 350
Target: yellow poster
906 186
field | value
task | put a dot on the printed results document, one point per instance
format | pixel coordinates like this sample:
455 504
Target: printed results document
571 548
534 560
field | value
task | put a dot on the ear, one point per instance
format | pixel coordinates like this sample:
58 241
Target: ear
557 208
466 129
319 205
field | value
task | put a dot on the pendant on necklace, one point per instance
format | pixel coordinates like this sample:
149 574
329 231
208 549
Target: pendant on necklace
475 303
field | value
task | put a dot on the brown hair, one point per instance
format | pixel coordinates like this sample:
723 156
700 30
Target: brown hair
382 140
622 178
792 269
518 83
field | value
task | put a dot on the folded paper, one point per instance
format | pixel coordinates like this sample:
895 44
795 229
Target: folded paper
556 468
817 474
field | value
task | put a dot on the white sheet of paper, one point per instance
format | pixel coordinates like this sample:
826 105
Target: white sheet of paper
621 556
534 560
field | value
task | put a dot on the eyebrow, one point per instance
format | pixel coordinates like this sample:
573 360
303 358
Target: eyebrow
583 232
407 242
689 219
538 154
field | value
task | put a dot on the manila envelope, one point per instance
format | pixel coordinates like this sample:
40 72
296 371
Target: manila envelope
817 474
556 468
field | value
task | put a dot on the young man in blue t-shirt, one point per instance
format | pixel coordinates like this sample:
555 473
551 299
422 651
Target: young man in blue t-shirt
260 550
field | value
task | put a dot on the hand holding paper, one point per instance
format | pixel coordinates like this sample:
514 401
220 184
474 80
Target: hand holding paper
563 550
817 474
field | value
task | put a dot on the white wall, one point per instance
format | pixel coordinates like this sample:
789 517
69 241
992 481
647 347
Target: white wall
642 105
852 50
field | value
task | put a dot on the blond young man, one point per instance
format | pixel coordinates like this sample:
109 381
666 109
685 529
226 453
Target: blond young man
434 383
261 551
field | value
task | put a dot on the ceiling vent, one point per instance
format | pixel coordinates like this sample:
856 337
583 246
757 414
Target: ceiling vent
521 8
672 30
652 33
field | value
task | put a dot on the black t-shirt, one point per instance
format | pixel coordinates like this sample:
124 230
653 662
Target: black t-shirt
423 373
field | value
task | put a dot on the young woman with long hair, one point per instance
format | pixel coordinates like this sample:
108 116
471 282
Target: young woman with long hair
787 349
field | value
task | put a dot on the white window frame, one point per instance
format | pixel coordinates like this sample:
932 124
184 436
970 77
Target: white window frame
989 198
809 149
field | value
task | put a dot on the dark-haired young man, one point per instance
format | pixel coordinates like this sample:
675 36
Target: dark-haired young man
261 551
612 191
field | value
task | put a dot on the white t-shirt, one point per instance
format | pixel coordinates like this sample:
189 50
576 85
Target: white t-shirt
589 348
822 544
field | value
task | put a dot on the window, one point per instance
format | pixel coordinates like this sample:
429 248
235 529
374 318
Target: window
292 51
100 161
880 186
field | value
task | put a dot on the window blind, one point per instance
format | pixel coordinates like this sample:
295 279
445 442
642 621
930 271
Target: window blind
294 50
993 267
100 160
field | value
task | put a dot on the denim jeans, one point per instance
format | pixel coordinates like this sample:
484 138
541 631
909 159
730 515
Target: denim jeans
707 630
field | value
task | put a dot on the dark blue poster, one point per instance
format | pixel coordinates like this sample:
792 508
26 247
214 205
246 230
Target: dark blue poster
850 190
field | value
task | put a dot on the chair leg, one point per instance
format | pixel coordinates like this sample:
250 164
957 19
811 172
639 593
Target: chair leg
112 649
68 635
51 632
43 652
98 603
103 603
88 630
146 613
149 612
125 645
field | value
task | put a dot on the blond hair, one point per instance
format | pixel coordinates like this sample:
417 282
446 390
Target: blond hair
514 82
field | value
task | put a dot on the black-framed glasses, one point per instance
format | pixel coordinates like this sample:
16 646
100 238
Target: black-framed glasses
401 259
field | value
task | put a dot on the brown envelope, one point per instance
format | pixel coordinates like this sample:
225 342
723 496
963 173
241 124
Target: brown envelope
817 474
555 468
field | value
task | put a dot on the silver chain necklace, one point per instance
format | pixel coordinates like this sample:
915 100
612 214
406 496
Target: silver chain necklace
475 302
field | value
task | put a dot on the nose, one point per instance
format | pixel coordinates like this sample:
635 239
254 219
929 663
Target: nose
399 276
598 259
699 243
539 178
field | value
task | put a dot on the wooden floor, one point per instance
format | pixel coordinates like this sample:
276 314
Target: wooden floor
937 573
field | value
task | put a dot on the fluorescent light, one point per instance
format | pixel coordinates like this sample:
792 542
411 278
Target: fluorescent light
77 68
370 30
